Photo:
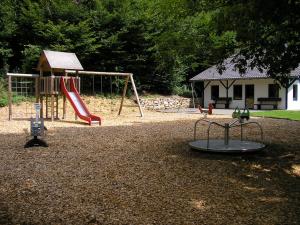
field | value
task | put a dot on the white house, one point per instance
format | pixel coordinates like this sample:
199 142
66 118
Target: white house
253 89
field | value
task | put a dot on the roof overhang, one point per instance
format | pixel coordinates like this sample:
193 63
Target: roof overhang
233 78
231 73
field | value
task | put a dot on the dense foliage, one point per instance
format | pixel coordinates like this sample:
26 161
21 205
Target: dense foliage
163 42
268 34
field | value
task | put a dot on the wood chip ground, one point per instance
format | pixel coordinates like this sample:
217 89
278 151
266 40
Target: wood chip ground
136 170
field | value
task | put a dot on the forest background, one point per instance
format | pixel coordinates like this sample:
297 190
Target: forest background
163 42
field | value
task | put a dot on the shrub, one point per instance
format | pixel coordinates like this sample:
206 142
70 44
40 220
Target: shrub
183 91
3 93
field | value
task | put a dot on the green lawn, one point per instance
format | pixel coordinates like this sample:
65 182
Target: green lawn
283 114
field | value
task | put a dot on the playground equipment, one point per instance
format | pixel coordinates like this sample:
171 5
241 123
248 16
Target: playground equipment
227 145
245 114
36 129
54 65
22 85
77 103
206 111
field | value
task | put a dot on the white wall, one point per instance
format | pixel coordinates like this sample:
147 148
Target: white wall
292 104
260 91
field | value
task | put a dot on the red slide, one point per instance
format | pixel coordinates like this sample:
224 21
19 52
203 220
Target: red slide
77 103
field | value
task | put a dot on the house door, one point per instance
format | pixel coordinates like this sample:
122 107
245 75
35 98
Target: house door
249 96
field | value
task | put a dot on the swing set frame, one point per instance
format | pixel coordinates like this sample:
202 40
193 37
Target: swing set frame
128 77
38 83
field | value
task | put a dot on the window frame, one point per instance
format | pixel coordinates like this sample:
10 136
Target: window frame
277 91
211 92
241 92
295 93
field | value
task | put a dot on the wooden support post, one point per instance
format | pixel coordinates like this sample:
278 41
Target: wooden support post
47 106
52 107
48 85
41 84
78 89
56 106
136 95
52 96
64 106
286 86
227 86
37 90
124 94
42 106
227 89
227 102
79 86
64 97
9 99
193 97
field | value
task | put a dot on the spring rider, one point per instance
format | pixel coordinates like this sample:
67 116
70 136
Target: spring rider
37 129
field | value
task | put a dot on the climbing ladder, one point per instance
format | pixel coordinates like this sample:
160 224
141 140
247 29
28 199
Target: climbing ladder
49 107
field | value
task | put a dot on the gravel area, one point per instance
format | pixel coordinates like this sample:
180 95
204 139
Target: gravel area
138 170
106 108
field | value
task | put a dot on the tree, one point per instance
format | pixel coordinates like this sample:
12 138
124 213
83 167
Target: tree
268 34
163 42
7 31
185 40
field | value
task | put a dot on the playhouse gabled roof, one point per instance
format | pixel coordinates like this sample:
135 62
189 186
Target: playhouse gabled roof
58 61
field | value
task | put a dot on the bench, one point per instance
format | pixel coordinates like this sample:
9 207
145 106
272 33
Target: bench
222 100
267 102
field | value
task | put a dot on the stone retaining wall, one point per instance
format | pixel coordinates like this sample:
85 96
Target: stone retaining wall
166 103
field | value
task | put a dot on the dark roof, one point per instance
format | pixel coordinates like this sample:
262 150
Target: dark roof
230 73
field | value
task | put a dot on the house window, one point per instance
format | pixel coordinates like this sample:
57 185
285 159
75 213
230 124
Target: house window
237 92
295 92
273 90
214 92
